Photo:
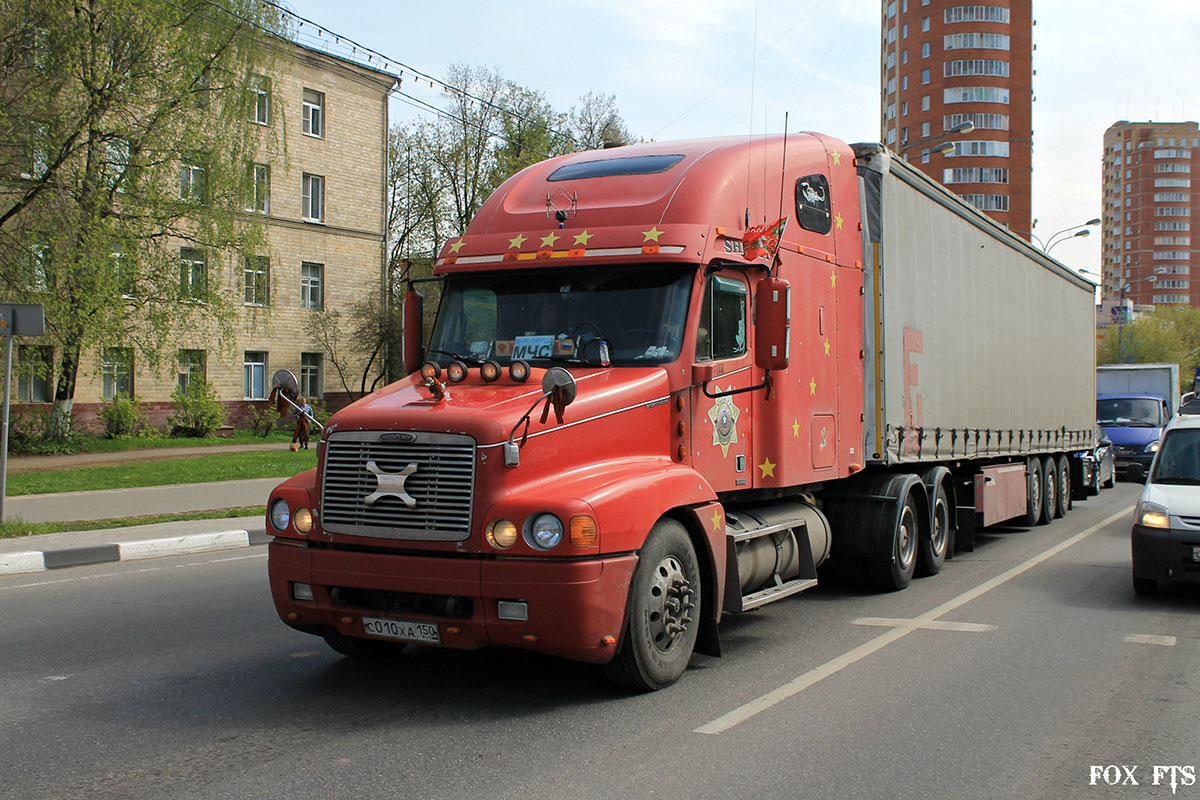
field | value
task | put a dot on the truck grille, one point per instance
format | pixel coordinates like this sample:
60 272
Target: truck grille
419 485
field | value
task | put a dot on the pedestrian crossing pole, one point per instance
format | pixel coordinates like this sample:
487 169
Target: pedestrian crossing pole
16 319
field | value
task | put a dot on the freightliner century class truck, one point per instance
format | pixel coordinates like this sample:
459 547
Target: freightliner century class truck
625 429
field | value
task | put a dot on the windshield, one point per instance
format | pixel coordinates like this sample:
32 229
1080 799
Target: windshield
1130 411
1179 459
623 316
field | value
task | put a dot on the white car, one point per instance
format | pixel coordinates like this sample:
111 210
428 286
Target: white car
1166 524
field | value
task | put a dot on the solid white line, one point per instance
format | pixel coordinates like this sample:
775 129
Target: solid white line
799 684
1150 638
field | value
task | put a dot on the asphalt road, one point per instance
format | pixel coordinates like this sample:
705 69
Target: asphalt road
1009 675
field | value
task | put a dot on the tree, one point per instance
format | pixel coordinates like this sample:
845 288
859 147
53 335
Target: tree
1168 335
595 123
124 131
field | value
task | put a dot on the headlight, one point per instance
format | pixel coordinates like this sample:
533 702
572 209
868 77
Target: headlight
1151 448
280 515
545 531
1152 515
304 520
501 533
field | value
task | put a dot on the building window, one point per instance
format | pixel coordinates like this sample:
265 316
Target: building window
35 363
191 368
924 129
191 178
997 149
997 14
312 200
310 285
257 275
310 375
925 103
260 189
254 375
193 274
976 41
975 175
924 24
924 77
904 56
116 373
975 94
925 50
993 122
260 100
975 66
123 271
314 113
987 202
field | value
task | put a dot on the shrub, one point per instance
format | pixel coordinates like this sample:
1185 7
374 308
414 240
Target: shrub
29 434
122 417
262 419
197 410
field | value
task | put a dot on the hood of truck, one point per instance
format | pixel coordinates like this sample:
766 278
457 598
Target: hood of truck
1126 435
489 411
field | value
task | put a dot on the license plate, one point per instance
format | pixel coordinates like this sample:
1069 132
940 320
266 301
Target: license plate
402 629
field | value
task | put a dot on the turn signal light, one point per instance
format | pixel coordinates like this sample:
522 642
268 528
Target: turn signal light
583 531
529 637
347 620
453 629
610 639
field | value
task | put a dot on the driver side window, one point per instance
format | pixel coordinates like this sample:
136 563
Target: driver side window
722 331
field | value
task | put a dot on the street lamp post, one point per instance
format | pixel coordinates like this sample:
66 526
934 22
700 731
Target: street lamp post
1050 242
945 147
1077 234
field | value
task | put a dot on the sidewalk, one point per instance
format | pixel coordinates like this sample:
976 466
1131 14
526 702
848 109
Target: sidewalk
139 501
19 464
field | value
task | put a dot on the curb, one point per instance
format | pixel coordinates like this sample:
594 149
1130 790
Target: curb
43 560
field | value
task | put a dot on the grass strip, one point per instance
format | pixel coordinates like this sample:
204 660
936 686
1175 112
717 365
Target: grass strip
16 528
190 469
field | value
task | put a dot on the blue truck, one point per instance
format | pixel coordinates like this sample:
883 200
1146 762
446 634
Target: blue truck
1134 402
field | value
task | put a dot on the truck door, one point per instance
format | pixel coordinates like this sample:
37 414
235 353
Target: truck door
721 424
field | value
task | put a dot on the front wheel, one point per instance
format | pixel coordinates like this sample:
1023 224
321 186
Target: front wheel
664 613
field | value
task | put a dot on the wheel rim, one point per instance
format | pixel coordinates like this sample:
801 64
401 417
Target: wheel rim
1037 490
669 606
906 539
1064 481
1050 484
941 527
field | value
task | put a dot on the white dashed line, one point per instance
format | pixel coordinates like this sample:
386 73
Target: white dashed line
1150 638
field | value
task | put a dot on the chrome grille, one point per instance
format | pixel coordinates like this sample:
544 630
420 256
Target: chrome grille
441 485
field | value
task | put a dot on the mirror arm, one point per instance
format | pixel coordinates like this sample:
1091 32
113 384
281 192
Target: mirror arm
766 384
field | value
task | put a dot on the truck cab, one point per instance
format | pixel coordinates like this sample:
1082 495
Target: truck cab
1134 424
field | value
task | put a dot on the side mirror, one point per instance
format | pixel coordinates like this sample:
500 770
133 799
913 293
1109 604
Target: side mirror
773 323
414 353
559 378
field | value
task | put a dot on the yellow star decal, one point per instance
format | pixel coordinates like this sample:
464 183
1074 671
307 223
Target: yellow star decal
838 219
583 238
768 469
652 234
826 347
812 386
795 429
833 279
548 241
517 241
716 520
454 248
837 157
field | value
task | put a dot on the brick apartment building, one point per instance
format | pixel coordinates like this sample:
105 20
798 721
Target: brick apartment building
323 203
1148 210
945 62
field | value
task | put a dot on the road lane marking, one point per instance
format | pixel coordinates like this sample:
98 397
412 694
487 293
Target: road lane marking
802 682
1150 638
929 625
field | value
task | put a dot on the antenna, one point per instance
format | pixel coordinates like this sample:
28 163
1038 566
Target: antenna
783 165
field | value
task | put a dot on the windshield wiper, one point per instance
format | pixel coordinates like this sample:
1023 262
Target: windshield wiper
471 358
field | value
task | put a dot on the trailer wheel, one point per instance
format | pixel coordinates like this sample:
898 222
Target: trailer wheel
664 612
1049 492
360 647
932 553
1033 492
897 572
1064 486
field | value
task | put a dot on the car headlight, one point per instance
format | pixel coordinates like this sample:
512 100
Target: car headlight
1151 448
1152 515
280 515
545 531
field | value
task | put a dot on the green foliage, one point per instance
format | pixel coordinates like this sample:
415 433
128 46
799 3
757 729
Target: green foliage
130 124
29 435
198 412
1169 335
262 418
122 417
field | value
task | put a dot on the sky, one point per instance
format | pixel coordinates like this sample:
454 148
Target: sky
693 68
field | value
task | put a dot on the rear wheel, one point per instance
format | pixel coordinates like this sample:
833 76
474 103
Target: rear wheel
897 573
1033 494
1063 473
664 612
932 553
360 647
1049 491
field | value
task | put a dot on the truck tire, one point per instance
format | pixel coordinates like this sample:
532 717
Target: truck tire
897 572
361 647
1049 491
1033 492
932 552
1063 475
664 612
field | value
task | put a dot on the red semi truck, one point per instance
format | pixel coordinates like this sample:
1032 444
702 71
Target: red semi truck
626 429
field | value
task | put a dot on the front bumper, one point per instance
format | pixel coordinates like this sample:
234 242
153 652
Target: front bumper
573 605
1172 553
1123 461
